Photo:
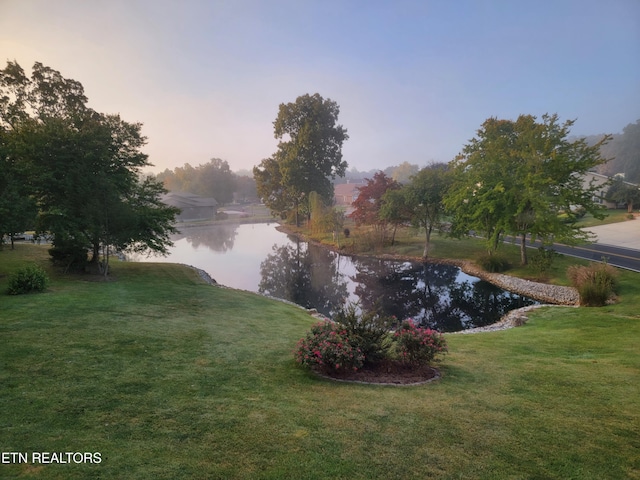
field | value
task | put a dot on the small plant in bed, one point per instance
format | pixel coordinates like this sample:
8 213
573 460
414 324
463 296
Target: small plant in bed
328 348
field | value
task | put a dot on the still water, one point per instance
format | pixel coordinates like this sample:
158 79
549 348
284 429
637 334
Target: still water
258 258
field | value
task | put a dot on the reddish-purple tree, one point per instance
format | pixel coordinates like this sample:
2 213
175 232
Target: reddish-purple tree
369 201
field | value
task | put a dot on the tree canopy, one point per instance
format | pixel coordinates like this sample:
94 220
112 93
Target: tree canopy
369 203
81 168
309 155
523 178
212 179
424 196
623 151
624 192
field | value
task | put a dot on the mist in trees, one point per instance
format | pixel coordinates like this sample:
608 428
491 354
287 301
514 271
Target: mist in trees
623 150
212 179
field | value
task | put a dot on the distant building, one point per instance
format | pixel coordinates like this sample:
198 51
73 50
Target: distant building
346 193
192 207
603 182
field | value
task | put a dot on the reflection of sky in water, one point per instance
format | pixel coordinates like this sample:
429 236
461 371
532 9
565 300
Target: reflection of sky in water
237 267
245 257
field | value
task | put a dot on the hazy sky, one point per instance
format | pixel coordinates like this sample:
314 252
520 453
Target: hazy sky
414 79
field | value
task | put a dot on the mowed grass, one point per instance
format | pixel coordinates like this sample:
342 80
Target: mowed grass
170 378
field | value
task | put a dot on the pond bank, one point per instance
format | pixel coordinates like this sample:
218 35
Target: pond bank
543 292
549 295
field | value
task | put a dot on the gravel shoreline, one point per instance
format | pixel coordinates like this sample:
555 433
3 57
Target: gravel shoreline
549 295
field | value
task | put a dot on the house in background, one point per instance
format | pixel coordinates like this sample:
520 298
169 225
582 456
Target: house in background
603 183
346 193
192 207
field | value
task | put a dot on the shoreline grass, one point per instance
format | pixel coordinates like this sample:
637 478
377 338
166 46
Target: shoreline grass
168 377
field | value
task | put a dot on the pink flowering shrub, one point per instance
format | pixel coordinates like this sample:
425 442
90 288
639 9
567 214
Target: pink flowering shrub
327 347
418 346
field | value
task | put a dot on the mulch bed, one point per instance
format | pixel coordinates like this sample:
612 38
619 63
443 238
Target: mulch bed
389 373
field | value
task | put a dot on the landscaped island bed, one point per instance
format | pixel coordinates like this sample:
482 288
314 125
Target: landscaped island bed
168 377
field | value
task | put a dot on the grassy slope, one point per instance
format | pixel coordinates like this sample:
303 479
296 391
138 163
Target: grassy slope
170 378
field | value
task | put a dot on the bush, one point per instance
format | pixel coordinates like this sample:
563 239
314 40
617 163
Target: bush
542 260
29 279
595 283
69 254
417 346
369 332
328 348
494 263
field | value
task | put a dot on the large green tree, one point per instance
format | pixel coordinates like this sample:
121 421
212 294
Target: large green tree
82 167
309 155
523 178
17 207
424 196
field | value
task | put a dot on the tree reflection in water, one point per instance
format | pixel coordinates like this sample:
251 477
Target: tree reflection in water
306 276
218 239
435 295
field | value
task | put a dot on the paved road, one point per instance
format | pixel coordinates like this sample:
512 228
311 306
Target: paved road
618 243
617 256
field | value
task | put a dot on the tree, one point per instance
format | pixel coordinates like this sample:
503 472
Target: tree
403 172
424 196
518 178
308 160
370 201
83 167
395 210
623 151
624 192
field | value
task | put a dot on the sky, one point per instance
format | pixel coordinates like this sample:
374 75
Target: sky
414 79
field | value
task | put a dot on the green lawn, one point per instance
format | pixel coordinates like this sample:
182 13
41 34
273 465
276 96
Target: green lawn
169 378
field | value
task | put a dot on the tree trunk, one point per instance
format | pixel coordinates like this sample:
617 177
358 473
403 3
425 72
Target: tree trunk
427 240
95 253
523 249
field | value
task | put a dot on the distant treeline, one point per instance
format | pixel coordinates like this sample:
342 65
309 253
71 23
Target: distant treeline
213 179
624 152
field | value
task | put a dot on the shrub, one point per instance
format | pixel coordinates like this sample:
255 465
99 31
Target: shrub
542 260
69 254
328 348
29 279
595 283
417 346
369 332
494 263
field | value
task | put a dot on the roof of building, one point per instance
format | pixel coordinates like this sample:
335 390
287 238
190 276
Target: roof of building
186 200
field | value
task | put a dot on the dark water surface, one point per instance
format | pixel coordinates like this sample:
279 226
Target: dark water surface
258 258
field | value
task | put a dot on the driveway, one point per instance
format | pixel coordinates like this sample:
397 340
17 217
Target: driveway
622 234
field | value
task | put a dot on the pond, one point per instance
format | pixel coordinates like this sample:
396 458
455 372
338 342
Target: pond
259 258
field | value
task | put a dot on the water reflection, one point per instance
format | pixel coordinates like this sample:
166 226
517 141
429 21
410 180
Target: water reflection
259 258
218 239
434 295
306 276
